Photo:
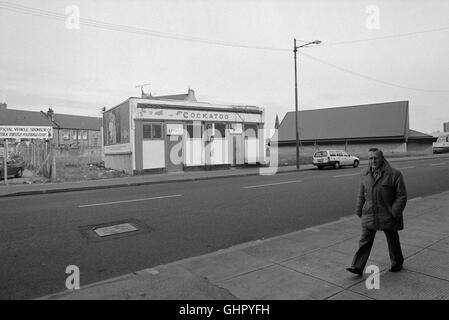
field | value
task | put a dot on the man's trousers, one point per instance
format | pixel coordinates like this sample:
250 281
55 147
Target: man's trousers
366 243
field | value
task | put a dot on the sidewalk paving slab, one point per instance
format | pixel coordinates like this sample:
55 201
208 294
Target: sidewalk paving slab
327 265
226 265
379 252
318 237
277 282
442 245
406 285
348 295
430 262
161 283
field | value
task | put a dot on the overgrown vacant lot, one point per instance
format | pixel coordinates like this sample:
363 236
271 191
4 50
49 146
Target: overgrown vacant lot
83 168
71 172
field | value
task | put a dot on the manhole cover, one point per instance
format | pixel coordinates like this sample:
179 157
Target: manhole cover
115 229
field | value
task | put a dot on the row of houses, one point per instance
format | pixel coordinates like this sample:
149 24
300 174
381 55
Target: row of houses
69 131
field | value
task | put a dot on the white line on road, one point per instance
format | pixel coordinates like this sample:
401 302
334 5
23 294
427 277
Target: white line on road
405 168
272 184
347 175
437 164
124 201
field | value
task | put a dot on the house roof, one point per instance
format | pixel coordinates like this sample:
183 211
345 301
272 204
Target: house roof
16 117
379 120
11 117
67 121
413 134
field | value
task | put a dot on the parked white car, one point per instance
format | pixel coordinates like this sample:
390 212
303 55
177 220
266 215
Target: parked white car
334 158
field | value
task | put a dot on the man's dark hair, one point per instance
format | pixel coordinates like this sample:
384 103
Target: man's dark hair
376 150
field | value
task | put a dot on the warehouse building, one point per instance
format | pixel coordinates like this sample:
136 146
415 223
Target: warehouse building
354 129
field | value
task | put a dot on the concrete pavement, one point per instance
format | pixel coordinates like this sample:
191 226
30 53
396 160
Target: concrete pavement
43 188
307 264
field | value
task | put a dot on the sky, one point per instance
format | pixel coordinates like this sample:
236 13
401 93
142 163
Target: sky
236 52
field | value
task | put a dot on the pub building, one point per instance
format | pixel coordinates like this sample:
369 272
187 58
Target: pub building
178 133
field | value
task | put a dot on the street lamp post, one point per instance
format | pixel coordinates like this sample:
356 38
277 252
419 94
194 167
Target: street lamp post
295 50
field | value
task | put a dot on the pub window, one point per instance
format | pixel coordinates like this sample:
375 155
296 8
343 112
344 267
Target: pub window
84 135
147 131
65 134
156 132
194 129
220 129
251 130
152 131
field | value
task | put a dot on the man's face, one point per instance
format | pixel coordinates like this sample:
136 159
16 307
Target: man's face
375 160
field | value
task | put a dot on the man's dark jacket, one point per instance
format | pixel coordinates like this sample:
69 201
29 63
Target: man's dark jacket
381 201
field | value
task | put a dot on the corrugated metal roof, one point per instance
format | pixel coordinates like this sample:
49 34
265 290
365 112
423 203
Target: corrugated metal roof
11 117
67 121
378 120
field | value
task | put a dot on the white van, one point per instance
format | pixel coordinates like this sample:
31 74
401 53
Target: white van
334 158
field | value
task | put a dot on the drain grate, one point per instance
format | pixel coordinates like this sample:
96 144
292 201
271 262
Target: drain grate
116 229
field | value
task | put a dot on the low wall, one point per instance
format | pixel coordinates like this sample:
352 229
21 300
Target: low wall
419 148
287 154
120 162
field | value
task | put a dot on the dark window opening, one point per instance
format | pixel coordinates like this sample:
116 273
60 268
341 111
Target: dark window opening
251 130
194 131
147 131
156 131
152 131
220 130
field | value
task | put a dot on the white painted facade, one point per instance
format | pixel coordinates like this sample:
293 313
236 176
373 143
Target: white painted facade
159 139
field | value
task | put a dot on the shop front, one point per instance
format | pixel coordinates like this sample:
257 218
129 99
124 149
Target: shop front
154 135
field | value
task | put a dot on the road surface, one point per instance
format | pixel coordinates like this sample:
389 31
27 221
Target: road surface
42 234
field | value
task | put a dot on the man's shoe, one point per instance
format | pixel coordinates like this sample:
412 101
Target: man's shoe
355 270
396 268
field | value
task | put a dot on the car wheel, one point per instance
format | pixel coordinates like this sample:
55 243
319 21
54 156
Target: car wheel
337 165
320 167
19 173
356 164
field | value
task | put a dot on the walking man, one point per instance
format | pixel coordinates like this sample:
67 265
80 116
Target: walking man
380 202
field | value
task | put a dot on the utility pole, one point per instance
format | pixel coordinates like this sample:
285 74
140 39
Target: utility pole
295 50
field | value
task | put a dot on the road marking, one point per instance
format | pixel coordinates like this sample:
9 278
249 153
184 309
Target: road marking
347 175
272 184
124 201
437 164
405 168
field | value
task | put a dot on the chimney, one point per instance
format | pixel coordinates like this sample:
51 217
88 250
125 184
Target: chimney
191 95
50 114
3 106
